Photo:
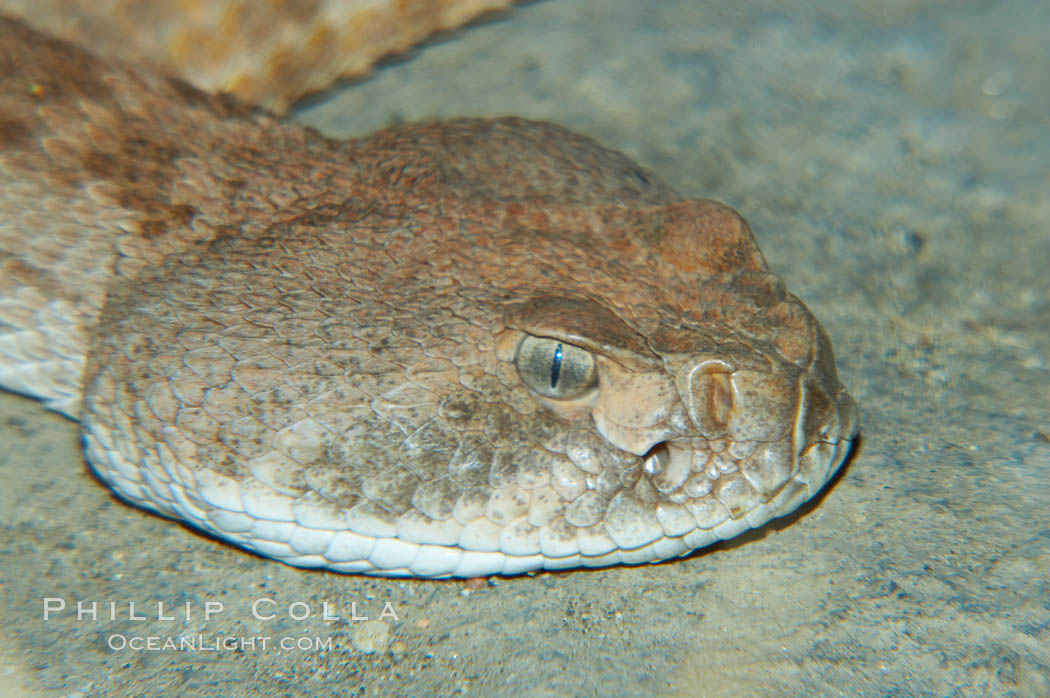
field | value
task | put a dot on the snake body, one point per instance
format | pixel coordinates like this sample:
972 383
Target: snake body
454 348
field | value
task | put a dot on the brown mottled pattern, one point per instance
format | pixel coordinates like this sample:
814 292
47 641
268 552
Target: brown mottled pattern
267 52
309 347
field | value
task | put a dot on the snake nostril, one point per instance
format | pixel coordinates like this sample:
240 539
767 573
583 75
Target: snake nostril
708 392
657 458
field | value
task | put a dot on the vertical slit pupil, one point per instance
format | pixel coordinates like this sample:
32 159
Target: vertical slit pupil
556 365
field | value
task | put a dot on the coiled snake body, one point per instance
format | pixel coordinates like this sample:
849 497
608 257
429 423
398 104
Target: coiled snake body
448 349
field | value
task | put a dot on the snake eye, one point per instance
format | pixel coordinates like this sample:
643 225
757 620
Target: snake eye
555 369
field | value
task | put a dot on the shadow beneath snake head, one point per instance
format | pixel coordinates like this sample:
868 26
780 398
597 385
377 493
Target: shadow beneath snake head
782 522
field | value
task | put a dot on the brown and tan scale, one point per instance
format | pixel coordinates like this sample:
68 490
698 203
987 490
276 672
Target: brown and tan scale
267 52
310 347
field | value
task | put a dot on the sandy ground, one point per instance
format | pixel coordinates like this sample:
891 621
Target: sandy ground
893 163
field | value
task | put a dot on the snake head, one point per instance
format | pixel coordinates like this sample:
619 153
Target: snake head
499 347
719 416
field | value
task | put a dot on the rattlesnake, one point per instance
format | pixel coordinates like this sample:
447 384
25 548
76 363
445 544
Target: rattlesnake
454 348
